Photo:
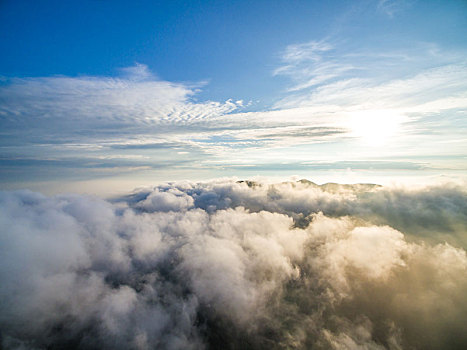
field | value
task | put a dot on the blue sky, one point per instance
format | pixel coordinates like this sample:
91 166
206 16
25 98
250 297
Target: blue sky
114 94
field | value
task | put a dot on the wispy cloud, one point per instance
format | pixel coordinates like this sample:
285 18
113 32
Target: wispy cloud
67 117
338 97
392 7
310 64
100 103
411 85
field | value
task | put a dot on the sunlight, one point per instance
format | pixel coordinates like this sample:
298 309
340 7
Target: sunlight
375 127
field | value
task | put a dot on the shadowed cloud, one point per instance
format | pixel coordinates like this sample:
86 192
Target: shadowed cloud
250 264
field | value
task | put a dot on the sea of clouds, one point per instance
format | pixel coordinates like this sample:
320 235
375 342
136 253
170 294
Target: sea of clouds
236 265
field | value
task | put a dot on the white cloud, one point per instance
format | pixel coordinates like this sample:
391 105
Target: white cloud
96 103
391 7
354 104
294 263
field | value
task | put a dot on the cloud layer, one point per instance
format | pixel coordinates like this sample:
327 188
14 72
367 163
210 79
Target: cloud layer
404 106
230 264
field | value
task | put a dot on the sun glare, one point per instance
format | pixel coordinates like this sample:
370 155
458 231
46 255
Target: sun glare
375 127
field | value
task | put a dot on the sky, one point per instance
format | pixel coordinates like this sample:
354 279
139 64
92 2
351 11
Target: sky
240 174
104 96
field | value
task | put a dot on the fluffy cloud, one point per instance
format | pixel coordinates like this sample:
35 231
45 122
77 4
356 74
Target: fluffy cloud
235 264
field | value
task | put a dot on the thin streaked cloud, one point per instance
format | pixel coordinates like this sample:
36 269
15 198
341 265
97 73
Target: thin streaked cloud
341 101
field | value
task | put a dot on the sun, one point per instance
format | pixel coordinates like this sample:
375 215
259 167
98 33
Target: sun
375 127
